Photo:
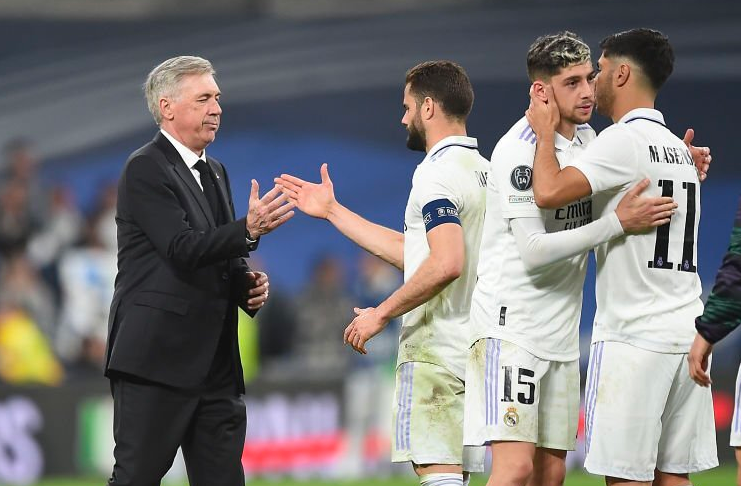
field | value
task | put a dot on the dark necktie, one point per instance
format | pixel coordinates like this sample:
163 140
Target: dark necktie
209 189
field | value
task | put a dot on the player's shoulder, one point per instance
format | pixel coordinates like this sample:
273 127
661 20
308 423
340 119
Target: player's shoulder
515 148
616 134
458 155
520 138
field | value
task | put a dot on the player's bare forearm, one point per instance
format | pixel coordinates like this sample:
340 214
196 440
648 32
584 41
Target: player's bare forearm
431 277
378 240
546 171
442 266
428 281
554 187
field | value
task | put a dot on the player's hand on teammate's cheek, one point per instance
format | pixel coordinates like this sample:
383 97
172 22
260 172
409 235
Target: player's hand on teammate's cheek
542 114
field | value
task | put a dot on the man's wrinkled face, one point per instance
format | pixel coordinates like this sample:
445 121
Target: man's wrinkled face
196 111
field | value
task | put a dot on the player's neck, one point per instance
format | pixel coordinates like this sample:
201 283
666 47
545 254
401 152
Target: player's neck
623 105
566 129
435 134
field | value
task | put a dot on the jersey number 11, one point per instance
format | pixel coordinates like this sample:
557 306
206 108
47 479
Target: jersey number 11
661 250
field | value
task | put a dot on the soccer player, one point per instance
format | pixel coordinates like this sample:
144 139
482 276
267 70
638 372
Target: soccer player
646 419
721 316
438 252
522 380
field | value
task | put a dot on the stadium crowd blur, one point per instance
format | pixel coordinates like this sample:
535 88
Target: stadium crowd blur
57 270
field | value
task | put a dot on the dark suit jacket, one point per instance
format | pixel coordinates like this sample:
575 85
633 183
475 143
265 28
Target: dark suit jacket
180 276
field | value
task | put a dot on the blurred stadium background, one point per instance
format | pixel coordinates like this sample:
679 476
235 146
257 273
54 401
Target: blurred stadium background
303 82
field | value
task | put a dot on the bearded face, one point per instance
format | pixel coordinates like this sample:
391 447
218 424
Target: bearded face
416 139
604 92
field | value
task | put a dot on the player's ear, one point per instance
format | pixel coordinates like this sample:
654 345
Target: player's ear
538 91
622 74
427 110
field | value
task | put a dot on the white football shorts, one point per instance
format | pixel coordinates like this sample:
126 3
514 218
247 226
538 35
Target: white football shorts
428 418
644 412
512 395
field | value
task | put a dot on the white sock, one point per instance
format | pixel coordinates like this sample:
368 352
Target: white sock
466 478
441 479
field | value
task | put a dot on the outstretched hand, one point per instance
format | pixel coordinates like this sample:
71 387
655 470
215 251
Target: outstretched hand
700 155
313 199
637 213
266 213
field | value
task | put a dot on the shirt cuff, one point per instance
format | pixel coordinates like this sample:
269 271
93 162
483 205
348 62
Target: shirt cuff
251 244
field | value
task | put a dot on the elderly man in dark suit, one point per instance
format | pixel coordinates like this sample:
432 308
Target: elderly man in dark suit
172 355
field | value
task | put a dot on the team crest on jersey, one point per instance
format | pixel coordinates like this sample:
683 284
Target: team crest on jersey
511 419
521 177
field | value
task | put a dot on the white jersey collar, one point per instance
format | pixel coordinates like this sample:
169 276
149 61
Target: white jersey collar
643 114
563 143
452 141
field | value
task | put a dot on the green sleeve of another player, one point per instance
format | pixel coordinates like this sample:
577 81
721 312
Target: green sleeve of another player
723 308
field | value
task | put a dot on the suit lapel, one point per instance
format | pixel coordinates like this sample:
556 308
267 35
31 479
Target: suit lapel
185 174
221 189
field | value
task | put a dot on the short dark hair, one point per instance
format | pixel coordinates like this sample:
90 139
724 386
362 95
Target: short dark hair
648 48
445 82
553 52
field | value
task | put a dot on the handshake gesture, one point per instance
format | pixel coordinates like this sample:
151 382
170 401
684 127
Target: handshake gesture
266 213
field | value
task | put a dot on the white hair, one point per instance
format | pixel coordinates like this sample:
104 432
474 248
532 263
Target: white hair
164 80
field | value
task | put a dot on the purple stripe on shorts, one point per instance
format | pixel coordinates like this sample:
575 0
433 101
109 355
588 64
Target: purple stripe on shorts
409 407
590 383
598 365
487 381
496 381
594 372
400 405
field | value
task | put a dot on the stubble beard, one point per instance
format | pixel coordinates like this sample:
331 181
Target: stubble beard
416 139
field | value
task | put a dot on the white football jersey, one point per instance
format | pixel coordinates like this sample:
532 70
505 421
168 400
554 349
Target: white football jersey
648 289
538 310
437 331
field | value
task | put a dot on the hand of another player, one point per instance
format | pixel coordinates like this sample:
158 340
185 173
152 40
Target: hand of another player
700 155
367 324
257 290
638 214
267 213
542 114
698 361
313 199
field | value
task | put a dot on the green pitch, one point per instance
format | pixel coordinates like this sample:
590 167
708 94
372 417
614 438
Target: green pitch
724 476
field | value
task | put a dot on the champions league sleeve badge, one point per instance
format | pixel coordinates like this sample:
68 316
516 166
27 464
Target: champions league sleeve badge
521 177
